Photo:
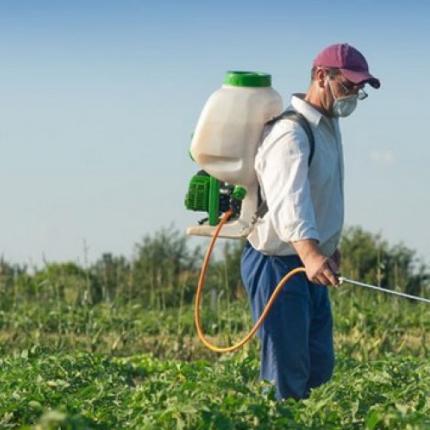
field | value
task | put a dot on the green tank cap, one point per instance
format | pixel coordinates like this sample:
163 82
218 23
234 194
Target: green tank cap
247 79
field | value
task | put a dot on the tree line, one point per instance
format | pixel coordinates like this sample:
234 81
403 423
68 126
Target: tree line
164 268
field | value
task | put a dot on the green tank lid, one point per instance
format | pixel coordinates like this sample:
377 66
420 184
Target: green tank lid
247 79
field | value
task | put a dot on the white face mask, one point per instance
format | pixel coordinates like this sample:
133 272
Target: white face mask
343 106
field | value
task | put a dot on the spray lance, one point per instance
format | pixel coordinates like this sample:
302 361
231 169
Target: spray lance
224 144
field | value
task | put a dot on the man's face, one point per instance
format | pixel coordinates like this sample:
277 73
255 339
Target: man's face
336 86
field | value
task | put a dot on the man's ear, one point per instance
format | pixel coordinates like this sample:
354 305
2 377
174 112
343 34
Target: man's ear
320 76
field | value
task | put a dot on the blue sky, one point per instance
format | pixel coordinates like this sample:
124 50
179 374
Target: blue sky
98 100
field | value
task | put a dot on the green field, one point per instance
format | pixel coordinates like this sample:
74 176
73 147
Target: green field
113 346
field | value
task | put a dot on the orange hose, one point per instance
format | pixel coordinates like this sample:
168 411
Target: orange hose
200 286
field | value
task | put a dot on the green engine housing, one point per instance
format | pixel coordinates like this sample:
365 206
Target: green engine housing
208 194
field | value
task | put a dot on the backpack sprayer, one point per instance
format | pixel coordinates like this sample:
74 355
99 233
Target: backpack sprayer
224 145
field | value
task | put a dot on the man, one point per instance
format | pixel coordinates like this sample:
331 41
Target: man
303 224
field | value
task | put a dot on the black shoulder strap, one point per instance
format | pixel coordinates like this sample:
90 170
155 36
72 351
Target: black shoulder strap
303 122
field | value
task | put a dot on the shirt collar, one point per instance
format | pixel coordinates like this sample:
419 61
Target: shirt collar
307 110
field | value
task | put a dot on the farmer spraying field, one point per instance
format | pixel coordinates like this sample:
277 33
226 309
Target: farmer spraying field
303 226
288 201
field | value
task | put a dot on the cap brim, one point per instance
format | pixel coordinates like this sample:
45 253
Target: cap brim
361 77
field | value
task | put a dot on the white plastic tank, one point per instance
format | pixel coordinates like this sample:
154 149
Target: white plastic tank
230 126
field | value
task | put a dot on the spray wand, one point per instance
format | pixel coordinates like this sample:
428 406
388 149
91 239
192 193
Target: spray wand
342 279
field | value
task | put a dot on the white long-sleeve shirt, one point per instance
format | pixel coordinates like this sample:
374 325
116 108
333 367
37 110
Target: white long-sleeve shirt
303 202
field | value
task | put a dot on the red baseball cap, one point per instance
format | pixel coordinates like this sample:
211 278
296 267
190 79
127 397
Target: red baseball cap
349 60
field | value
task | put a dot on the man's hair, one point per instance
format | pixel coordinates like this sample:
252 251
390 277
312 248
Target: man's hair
332 72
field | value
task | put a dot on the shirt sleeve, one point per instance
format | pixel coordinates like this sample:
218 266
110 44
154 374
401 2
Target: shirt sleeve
282 169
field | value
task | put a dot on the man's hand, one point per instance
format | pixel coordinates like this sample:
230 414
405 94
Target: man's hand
319 268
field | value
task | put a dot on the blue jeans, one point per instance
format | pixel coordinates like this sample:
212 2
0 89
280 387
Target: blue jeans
296 337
